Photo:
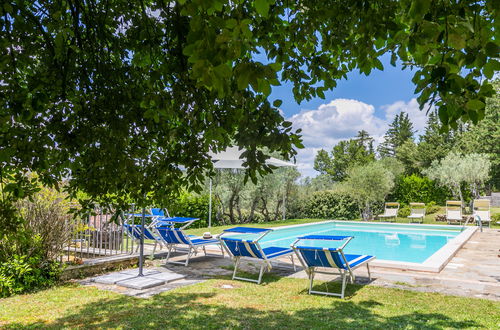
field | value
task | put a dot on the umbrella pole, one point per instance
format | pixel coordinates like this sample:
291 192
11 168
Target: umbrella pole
210 204
141 248
284 203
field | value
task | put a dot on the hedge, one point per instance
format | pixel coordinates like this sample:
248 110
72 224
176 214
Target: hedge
330 204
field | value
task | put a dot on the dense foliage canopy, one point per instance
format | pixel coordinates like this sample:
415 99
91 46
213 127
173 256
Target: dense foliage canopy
118 96
347 153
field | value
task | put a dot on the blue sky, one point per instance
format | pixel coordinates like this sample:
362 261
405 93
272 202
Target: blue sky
378 89
360 102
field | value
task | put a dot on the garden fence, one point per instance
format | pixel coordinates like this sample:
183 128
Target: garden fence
96 235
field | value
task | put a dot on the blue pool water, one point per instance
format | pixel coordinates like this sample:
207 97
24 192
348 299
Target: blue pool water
407 243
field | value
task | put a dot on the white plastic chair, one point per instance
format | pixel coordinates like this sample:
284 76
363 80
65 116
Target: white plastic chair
481 209
390 211
417 212
454 211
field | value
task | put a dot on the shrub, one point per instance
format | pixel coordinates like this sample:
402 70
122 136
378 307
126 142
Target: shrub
195 206
431 208
23 274
404 211
495 217
256 217
28 255
414 188
330 204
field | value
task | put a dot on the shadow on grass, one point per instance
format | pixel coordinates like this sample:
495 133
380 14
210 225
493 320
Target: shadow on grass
209 310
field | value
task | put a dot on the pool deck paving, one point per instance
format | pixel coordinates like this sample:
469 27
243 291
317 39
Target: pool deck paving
473 272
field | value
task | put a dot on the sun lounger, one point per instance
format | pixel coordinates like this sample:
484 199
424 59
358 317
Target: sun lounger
159 212
174 237
134 231
318 256
390 212
249 247
417 212
454 212
482 211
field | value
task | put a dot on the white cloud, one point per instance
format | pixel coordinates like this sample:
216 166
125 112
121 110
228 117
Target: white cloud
341 119
418 117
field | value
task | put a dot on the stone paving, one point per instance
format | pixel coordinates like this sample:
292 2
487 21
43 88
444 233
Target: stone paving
474 272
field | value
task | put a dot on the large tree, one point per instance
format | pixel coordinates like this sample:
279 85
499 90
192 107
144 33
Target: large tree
118 96
368 184
455 170
436 142
485 137
400 131
347 153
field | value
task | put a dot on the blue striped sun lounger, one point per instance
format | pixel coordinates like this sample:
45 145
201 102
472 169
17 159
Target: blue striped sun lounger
313 256
250 248
174 237
134 231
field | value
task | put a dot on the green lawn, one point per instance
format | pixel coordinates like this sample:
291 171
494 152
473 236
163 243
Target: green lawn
279 303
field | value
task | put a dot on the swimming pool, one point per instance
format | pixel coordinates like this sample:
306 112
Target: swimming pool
418 247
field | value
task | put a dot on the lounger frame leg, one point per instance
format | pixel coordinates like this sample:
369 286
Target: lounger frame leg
263 266
343 284
154 250
188 256
344 274
368 269
236 264
311 277
169 248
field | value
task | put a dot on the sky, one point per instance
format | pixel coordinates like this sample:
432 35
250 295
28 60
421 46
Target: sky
360 102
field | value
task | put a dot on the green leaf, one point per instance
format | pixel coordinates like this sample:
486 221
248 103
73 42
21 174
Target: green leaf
275 66
243 79
492 49
443 114
419 8
264 87
378 64
475 105
231 23
277 103
456 40
262 7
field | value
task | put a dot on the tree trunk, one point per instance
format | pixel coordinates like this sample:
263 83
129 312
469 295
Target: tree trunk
265 212
277 211
255 201
231 209
238 209
367 212
461 197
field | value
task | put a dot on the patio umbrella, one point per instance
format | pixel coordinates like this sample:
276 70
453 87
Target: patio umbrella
230 158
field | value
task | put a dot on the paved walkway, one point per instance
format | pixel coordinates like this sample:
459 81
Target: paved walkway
474 271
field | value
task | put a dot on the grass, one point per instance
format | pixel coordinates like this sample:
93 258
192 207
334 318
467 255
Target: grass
280 303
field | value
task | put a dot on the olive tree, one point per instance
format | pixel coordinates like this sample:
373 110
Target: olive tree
455 170
242 201
367 185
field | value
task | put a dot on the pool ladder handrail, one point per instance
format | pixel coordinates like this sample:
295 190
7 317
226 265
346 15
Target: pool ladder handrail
478 220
